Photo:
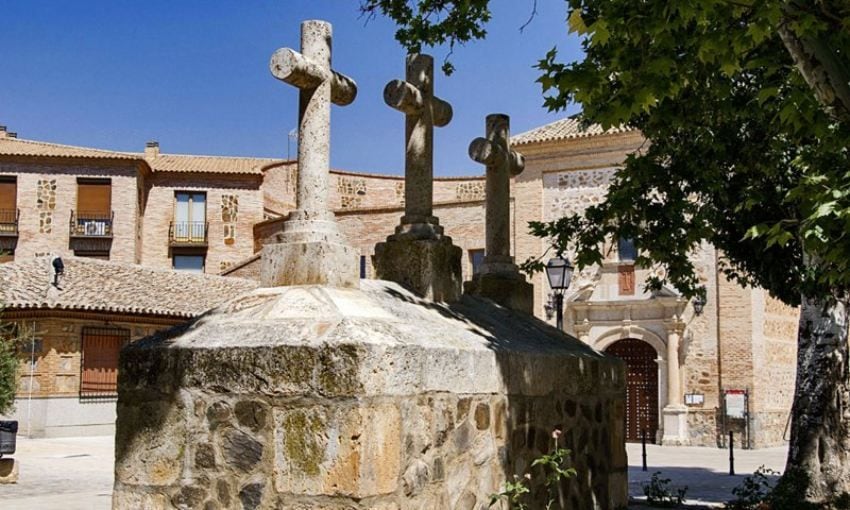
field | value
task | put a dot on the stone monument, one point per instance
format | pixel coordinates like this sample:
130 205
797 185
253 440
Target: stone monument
499 278
330 396
311 249
419 256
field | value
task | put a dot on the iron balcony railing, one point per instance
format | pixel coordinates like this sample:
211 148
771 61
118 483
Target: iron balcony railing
91 224
188 233
9 222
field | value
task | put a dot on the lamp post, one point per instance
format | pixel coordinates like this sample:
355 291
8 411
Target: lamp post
559 272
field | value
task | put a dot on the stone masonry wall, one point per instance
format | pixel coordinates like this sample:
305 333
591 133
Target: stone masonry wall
397 409
46 195
229 242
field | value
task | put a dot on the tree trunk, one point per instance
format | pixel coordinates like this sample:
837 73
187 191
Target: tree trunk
820 422
825 69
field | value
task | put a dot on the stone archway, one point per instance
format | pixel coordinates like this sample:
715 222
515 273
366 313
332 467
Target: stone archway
641 387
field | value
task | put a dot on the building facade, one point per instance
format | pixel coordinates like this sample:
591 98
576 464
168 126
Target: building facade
692 377
70 328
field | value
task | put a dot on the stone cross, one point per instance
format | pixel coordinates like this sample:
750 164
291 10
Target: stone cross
319 86
502 163
415 98
310 250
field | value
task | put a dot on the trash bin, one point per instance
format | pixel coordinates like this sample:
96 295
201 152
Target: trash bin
8 437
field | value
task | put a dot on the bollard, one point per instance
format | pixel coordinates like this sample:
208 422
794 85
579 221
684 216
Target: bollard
731 454
643 446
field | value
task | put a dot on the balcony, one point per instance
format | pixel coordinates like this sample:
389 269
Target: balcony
9 222
188 234
91 224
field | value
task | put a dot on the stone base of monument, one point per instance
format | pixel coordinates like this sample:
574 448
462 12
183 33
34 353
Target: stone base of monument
507 289
430 268
318 262
309 397
8 471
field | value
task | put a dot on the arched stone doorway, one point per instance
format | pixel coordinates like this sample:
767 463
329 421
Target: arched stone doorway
641 387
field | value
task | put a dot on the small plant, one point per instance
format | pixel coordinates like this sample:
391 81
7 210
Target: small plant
658 492
8 367
753 492
554 465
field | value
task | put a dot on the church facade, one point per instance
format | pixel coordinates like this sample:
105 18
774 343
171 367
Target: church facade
692 377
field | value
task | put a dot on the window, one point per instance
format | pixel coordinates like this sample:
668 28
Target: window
94 208
626 251
8 205
99 365
190 217
189 263
362 266
476 258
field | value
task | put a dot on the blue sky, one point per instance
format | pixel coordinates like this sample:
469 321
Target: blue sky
193 74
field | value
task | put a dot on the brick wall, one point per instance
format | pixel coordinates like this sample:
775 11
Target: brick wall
221 252
44 227
58 341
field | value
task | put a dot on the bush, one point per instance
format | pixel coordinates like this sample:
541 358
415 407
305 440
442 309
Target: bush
8 368
659 494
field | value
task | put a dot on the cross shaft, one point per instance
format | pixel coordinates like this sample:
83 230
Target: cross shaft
502 163
415 98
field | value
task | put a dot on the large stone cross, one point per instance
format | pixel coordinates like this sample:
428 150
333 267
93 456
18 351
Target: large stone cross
318 86
502 163
310 250
415 98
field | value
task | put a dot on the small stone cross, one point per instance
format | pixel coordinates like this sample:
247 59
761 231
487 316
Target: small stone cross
502 163
415 98
318 86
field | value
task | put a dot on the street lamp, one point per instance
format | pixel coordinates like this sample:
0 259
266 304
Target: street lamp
559 272
699 304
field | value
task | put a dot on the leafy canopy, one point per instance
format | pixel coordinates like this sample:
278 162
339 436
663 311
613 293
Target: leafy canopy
745 107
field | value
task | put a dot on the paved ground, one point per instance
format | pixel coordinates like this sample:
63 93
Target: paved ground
705 471
67 474
76 473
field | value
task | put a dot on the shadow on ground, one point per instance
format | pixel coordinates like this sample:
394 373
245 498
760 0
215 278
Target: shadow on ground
707 488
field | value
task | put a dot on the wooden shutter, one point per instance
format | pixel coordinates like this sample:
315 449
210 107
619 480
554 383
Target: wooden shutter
8 193
626 279
99 366
94 198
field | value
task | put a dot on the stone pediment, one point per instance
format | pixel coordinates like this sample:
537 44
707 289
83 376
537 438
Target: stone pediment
589 294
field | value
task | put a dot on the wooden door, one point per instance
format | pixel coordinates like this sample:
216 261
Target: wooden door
99 367
641 387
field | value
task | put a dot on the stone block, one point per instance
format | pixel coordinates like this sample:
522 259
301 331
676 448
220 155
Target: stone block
8 471
509 290
338 451
310 263
430 268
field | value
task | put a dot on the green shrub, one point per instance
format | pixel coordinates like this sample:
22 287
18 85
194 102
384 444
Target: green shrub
8 367
659 494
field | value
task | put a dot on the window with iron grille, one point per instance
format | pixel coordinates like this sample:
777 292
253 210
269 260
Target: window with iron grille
99 364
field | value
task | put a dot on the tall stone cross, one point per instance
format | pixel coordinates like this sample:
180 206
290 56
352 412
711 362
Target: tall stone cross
423 110
495 152
311 250
319 86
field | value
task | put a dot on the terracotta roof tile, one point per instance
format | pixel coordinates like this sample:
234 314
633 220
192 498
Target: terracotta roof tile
104 286
210 164
19 147
563 129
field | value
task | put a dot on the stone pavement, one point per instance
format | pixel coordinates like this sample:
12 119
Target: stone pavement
704 470
62 473
76 473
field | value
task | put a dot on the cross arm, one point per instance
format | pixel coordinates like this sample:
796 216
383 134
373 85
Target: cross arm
299 71
407 99
486 152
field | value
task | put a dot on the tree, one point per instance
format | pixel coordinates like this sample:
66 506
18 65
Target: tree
746 104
